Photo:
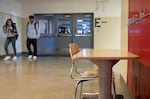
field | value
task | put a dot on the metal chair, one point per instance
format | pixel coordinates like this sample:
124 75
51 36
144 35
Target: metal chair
85 76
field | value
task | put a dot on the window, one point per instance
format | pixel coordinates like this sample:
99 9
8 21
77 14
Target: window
43 26
64 24
83 25
46 24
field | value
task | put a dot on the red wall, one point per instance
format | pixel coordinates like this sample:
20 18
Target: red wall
139 43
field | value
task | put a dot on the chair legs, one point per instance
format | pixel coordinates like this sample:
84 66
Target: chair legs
76 88
113 88
76 70
81 81
81 90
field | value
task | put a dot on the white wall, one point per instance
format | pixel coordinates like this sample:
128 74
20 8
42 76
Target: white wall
11 7
109 8
106 37
18 21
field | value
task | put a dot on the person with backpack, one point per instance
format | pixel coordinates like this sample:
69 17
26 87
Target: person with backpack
11 31
32 36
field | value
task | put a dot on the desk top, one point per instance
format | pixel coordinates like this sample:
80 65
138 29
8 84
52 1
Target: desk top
96 54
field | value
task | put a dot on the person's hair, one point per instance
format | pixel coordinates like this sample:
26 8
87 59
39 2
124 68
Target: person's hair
31 17
10 21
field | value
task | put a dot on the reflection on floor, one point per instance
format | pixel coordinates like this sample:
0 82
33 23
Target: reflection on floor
46 78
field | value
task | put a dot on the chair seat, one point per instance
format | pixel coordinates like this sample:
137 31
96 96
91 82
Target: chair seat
93 74
90 74
90 95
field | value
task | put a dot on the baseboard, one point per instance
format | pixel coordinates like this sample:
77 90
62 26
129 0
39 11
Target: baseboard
18 54
127 92
26 54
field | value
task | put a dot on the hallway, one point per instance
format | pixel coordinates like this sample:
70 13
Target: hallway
46 78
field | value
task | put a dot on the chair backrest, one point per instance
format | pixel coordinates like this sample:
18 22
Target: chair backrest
73 49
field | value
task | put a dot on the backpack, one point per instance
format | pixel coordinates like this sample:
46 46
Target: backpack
15 30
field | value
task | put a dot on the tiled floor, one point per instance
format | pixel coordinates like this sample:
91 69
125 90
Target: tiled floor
46 78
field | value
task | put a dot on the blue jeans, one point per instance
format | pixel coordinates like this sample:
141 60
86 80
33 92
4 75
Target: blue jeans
11 40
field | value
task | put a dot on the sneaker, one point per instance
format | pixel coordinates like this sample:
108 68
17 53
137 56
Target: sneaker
30 57
34 57
14 58
7 58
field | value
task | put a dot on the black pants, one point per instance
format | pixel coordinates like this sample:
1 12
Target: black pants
32 42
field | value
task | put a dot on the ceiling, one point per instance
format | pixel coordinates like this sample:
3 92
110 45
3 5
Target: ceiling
28 1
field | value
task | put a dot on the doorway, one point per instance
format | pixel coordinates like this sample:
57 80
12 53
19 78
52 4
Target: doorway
58 30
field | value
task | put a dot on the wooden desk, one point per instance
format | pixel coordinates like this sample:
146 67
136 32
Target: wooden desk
105 60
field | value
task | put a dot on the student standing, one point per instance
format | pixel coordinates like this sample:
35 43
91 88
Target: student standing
11 31
32 36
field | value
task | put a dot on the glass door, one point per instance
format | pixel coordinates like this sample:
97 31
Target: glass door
63 33
45 43
46 24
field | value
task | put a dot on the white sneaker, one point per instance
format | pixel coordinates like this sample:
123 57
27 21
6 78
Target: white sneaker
30 57
34 57
7 58
14 58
